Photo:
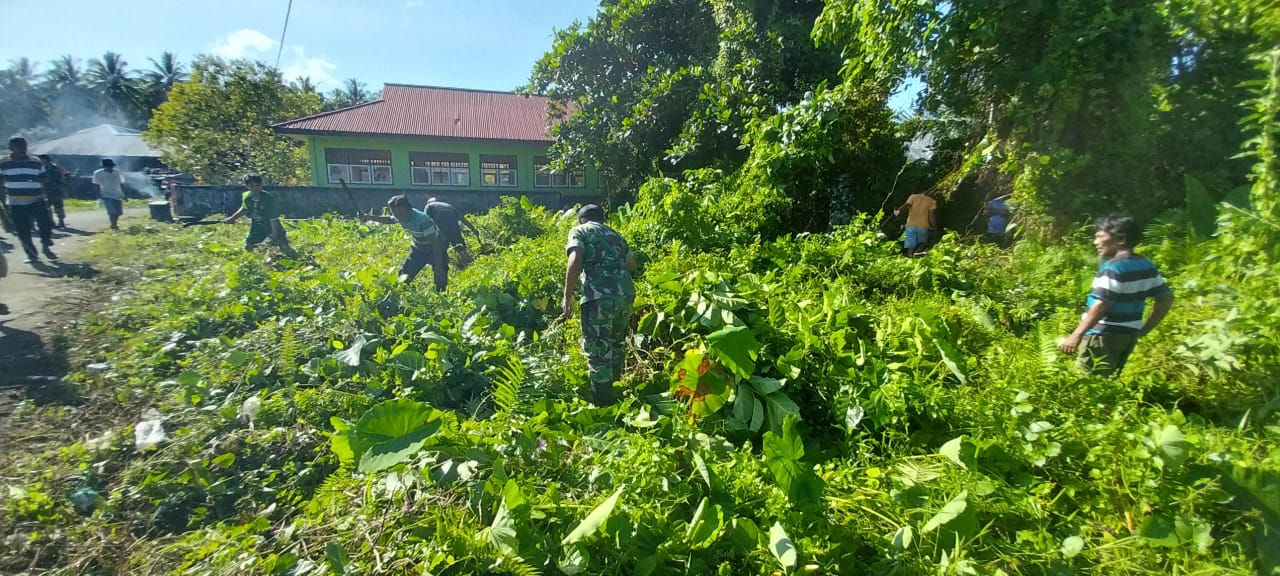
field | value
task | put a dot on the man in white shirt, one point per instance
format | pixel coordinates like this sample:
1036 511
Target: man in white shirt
110 183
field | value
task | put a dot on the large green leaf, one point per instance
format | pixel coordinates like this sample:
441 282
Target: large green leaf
594 520
703 382
736 348
351 355
502 532
783 453
388 434
779 406
706 525
948 513
782 547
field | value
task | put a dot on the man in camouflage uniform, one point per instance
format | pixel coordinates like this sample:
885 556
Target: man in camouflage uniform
601 257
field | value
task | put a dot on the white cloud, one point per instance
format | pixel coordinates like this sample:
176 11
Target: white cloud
318 68
412 3
244 42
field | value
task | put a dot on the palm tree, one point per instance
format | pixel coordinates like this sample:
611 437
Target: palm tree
159 80
352 92
114 85
71 106
21 71
165 72
64 72
305 85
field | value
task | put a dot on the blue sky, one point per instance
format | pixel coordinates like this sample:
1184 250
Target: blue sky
488 44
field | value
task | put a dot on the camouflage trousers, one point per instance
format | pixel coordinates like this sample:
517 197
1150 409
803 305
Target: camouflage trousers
604 327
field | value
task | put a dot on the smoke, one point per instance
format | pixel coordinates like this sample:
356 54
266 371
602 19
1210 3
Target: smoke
142 183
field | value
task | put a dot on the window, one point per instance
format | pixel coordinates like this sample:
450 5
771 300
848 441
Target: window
358 166
545 177
497 170
439 169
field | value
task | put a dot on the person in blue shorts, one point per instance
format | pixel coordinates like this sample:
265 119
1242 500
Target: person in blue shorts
110 184
922 216
1113 320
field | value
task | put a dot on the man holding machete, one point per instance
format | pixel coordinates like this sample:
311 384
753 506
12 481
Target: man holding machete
264 217
427 245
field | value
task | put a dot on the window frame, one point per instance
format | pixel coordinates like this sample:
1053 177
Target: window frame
557 179
500 166
334 158
455 167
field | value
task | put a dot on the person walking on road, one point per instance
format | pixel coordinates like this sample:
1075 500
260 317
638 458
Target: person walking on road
447 218
110 184
922 216
427 248
263 209
22 178
1112 323
55 188
601 258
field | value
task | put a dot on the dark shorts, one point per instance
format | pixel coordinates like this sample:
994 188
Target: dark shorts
1106 354
114 207
258 233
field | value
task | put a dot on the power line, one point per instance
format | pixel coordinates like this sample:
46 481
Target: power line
283 32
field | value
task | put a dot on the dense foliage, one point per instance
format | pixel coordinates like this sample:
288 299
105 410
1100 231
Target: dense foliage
814 404
217 124
660 86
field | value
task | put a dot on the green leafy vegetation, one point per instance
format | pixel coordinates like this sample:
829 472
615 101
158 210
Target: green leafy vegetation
877 413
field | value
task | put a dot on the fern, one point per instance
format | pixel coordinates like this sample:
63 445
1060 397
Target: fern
507 384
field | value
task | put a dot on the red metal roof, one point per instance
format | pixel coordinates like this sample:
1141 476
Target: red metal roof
433 111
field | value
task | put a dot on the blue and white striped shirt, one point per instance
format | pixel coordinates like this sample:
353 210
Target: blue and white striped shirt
23 180
1125 284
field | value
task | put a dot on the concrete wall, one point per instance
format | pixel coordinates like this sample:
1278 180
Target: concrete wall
400 147
309 202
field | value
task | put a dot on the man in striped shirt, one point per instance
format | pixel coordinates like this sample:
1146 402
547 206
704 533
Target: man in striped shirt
22 178
1113 322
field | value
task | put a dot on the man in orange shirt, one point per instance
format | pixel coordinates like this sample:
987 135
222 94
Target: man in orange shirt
922 216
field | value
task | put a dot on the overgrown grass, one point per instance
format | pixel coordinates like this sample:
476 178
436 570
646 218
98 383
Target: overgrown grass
76 205
914 418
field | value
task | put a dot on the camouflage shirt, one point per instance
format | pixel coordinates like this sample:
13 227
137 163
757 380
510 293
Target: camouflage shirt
604 262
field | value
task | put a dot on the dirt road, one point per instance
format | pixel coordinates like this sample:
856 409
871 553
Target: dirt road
30 359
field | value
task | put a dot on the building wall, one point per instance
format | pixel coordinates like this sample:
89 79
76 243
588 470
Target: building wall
400 172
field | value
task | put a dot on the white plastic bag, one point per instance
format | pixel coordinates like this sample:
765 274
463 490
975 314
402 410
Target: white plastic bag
148 432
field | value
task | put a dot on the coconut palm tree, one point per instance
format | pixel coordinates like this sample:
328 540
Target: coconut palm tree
64 72
114 86
71 106
305 85
159 80
352 92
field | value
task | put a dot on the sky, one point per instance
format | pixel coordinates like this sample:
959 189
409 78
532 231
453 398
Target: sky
485 44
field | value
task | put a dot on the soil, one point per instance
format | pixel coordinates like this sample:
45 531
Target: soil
41 300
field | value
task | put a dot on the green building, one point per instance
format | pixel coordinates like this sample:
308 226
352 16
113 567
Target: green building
439 140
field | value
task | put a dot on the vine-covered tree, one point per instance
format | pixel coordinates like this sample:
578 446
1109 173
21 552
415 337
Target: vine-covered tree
664 85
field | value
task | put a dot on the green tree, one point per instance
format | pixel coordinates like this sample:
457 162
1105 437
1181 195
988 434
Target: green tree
115 87
1072 128
70 102
351 93
666 85
160 79
21 103
217 124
